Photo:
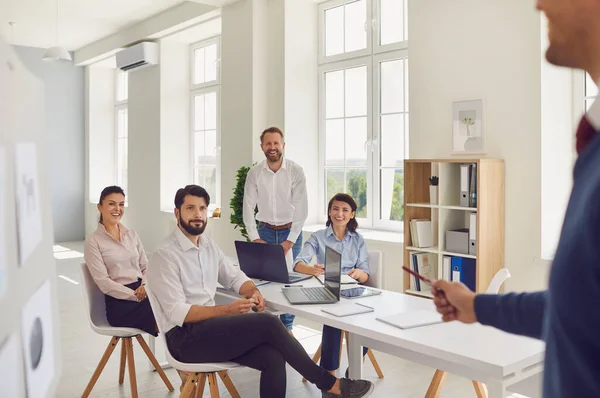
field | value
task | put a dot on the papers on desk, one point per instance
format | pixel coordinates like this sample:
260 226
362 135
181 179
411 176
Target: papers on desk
411 319
346 279
341 310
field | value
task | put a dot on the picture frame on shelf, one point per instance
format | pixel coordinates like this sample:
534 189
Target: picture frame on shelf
468 127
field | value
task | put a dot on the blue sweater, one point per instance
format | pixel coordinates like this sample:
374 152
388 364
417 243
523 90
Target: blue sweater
567 315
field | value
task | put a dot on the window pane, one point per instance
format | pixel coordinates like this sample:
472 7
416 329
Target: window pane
210 63
199 65
122 82
392 194
199 112
392 21
355 32
122 123
356 139
122 149
356 91
334 31
591 90
356 186
210 109
206 177
406 90
199 145
334 142
210 146
392 86
392 140
335 183
334 94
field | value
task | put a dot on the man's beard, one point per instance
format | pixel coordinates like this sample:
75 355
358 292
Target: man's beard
195 231
275 157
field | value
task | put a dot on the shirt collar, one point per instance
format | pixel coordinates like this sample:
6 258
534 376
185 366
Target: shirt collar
593 114
102 229
185 243
330 232
283 165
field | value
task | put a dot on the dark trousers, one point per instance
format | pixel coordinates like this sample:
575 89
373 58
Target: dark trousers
258 341
330 348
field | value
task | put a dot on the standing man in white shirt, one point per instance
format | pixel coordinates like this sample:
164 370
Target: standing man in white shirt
278 187
182 277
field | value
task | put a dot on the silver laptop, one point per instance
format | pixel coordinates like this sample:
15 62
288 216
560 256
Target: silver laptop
328 294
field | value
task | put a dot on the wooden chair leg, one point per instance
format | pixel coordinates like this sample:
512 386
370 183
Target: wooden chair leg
152 359
224 375
214 387
200 386
190 382
131 366
480 389
107 353
375 363
315 360
123 361
436 384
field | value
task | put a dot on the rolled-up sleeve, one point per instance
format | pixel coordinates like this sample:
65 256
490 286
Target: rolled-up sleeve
310 249
97 268
363 256
230 276
165 284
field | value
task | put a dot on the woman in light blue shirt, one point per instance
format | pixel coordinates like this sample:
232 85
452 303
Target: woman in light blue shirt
340 235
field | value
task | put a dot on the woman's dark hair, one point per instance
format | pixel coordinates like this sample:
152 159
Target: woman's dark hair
194 190
109 191
344 197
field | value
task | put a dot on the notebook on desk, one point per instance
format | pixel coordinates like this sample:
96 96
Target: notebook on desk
411 319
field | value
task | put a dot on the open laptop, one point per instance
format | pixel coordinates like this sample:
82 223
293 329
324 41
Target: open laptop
328 294
265 261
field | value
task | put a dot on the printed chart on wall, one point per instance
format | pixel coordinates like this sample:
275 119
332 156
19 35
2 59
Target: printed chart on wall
29 214
10 367
38 341
3 259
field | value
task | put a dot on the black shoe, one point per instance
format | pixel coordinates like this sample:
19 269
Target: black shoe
352 389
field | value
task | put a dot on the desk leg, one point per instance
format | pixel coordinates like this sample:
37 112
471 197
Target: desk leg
354 356
496 390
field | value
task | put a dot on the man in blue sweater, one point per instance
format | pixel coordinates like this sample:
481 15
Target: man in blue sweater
565 316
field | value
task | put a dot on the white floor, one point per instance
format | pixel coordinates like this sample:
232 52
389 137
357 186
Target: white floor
82 349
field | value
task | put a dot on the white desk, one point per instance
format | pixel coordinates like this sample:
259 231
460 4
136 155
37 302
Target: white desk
475 352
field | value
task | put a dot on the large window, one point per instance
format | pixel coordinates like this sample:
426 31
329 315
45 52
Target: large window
205 135
121 128
363 97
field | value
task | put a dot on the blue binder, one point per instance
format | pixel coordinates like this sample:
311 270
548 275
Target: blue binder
463 270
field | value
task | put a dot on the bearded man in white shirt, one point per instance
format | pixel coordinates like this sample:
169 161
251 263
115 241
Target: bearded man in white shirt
182 276
278 187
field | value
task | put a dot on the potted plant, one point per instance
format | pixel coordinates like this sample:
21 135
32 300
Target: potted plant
237 202
433 189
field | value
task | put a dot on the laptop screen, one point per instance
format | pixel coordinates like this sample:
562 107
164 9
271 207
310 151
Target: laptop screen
333 271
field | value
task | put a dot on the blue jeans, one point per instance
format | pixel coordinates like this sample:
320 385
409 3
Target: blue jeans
276 238
330 348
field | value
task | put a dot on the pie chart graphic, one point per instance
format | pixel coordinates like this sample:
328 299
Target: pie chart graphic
36 343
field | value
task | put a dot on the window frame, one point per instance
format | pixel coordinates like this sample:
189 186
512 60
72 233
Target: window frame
201 44
214 86
372 56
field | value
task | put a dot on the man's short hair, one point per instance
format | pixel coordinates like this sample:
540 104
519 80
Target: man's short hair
271 130
194 190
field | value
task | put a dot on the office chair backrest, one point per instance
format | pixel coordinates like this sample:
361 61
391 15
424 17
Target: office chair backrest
93 297
501 276
375 270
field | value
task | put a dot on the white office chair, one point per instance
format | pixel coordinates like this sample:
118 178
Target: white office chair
199 371
96 310
438 378
376 281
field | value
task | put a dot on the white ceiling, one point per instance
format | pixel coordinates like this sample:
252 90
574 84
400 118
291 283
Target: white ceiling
81 22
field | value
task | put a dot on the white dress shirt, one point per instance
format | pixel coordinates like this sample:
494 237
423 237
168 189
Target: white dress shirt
281 197
181 275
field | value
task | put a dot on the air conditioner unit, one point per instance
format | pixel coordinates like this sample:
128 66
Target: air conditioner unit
138 56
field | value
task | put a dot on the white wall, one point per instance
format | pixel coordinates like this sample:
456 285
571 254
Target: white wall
466 49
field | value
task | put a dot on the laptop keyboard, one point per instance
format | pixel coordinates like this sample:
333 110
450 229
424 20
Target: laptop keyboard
315 293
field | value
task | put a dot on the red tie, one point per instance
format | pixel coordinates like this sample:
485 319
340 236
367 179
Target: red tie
585 134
